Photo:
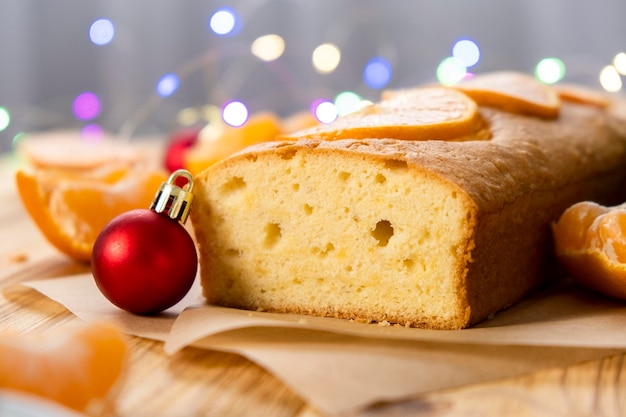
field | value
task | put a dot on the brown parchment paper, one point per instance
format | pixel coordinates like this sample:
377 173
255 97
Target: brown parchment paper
338 365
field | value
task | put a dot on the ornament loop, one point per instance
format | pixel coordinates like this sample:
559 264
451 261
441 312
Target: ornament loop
172 200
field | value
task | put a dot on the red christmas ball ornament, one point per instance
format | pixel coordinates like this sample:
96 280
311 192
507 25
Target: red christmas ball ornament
144 261
180 142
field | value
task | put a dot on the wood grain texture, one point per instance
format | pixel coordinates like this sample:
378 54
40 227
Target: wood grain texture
198 382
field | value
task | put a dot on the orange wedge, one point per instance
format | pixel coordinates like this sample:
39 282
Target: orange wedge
71 211
590 242
71 365
514 92
413 114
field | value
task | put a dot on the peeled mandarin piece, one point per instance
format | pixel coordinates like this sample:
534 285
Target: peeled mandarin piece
72 366
414 114
608 234
71 213
582 95
218 142
513 92
593 269
570 231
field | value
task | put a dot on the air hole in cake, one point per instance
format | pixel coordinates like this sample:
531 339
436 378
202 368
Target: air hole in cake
408 264
308 210
380 179
454 194
383 232
322 252
343 176
295 187
273 233
234 184
251 157
395 165
287 154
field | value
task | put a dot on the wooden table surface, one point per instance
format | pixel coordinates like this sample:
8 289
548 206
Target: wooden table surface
198 382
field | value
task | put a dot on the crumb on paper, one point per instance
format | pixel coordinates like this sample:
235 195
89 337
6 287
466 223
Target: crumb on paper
364 321
384 323
18 258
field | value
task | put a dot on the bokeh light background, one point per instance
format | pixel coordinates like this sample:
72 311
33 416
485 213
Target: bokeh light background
145 67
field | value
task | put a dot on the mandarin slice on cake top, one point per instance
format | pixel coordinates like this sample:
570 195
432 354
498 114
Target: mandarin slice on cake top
514 92
413 114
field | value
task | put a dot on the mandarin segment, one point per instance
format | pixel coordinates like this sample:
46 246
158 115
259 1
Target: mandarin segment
608 234
513 92
570 231
72 365
414 114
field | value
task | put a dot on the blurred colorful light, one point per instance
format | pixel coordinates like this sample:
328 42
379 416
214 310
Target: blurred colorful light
92 133
86 106
467 51
451 70
550 70
326 58
235 113
5 118
377 73
324 111
167 85
347 102
610 79
223 21
17 139
268 47
619 62
101 32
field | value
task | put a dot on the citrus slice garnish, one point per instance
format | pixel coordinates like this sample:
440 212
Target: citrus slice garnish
413 114
513 92
72 365
582 95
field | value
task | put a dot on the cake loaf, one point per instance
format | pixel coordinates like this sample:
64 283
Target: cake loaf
427 233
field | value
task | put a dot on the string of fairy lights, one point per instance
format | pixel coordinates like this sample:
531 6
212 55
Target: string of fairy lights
465 54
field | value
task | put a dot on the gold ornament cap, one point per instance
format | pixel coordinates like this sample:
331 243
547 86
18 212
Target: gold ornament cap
172 200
